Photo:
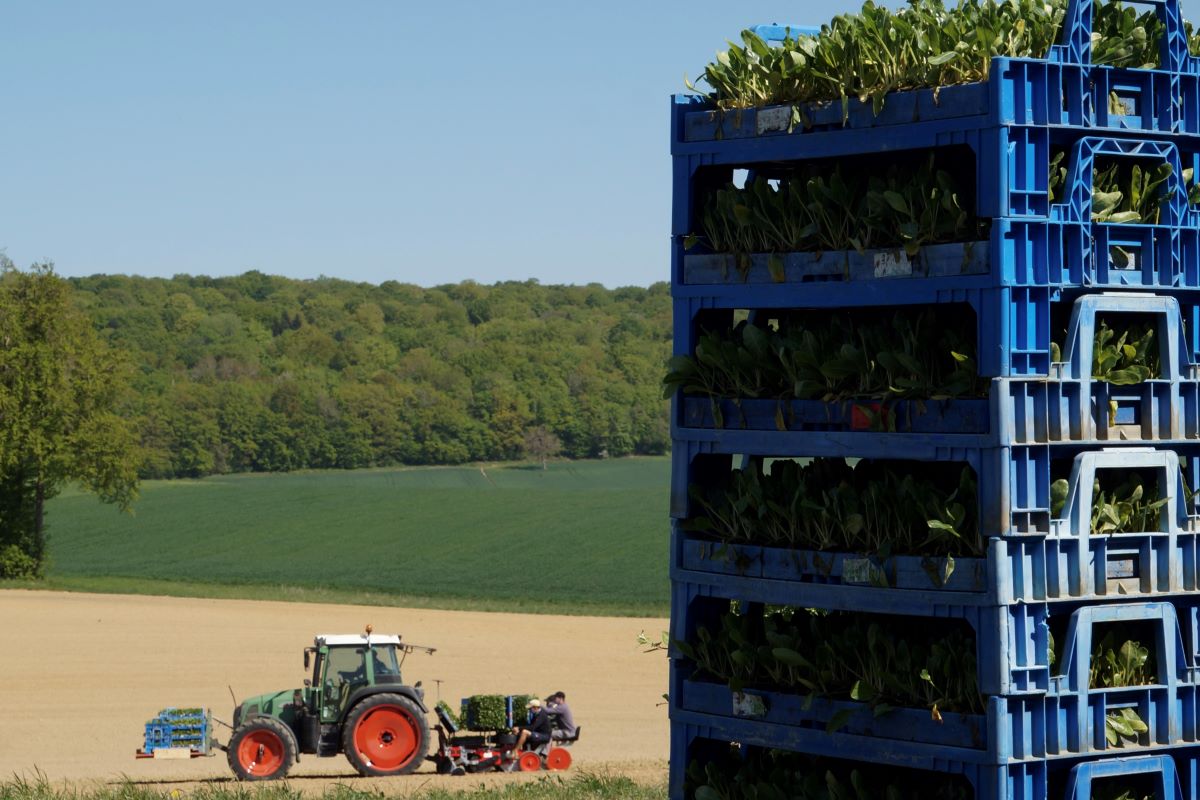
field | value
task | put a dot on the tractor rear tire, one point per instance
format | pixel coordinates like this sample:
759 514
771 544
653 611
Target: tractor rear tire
262 749
386 734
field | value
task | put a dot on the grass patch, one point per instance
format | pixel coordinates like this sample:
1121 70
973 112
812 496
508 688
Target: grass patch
551 787
579 537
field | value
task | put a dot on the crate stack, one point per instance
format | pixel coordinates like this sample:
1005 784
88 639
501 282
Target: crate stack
1048 586
178 730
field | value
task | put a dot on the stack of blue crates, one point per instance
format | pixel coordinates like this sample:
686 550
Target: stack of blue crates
174 728
1045 268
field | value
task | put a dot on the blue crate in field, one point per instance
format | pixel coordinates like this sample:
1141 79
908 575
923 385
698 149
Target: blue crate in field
189 728
1164 776
1067 249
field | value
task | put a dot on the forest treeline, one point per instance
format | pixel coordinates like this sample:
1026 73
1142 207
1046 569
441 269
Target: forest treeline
264 373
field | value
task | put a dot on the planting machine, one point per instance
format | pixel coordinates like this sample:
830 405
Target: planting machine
461 750
356 703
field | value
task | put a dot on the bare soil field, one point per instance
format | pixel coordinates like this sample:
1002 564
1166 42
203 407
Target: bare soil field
80 674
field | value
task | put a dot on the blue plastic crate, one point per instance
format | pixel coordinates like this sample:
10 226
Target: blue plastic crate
1014 481
1170 776
1067 721
1014 325
1012 641
1068 249
1032 557
1064 89
1068 406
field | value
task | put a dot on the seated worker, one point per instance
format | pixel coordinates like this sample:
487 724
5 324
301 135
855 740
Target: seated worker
560 715
538 731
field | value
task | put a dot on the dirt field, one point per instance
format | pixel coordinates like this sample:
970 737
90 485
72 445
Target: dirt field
80 674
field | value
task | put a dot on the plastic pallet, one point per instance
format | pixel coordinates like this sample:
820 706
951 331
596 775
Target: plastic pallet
1173 775
1068 249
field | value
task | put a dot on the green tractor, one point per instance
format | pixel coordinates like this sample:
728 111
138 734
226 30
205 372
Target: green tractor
354 703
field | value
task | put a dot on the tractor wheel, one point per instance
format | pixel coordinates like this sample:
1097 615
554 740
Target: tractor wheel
386 734
529 762
262 749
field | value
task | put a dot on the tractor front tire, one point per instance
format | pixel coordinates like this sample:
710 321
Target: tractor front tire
386 734
262 749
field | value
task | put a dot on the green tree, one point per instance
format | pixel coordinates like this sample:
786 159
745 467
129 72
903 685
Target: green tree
59 384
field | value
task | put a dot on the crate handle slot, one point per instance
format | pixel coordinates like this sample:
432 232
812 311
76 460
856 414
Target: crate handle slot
1077 513
1079 782
1077 200
1077 653
1080 344
1076 47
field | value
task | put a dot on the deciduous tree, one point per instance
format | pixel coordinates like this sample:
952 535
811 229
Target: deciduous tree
59 384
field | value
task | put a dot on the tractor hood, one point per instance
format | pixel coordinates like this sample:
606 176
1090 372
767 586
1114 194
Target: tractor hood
272 704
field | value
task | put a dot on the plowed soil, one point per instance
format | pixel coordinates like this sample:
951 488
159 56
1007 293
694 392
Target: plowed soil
80 674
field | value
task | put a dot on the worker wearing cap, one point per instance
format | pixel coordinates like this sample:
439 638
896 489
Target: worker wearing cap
538 731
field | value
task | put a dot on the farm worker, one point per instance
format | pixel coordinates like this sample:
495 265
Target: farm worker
538 731
564 721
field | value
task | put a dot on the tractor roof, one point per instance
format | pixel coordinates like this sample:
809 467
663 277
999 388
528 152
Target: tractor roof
358 639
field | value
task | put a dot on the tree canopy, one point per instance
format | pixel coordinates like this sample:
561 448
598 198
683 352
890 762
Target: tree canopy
264 373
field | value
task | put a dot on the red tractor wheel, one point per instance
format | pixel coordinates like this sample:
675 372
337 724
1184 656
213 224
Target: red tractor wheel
386 734
262 749
558 758
529 762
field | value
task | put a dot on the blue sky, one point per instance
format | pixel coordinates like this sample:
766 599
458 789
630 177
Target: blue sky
372 141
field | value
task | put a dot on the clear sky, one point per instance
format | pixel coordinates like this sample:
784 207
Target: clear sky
372 141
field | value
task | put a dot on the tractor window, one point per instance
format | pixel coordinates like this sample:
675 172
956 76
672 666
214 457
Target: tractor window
345 664
385 661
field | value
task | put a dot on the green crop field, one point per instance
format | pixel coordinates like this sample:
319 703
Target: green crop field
580 537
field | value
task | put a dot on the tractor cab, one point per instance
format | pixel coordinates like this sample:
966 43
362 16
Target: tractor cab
342 665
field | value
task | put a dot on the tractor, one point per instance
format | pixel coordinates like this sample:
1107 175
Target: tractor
354 703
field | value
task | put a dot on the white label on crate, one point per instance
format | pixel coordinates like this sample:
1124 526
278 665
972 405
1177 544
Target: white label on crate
861 570
749 705
774 119
892 264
